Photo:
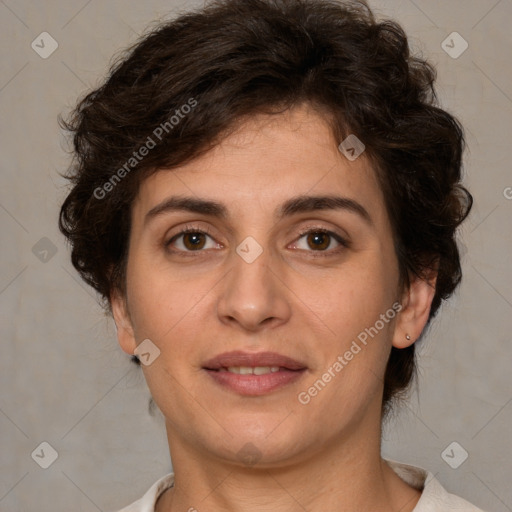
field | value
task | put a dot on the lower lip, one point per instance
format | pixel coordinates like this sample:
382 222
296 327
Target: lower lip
255 385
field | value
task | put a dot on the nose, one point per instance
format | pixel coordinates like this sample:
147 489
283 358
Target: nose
253 295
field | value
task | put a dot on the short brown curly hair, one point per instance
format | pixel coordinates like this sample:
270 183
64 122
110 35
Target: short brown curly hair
238 58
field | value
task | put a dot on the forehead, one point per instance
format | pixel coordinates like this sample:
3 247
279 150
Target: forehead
266 160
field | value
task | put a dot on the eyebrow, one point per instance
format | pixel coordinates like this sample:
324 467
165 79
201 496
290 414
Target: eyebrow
294 205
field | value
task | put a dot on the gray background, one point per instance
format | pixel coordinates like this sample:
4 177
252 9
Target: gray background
65 381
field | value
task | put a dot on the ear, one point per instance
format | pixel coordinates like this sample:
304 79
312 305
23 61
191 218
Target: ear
416 303
125 335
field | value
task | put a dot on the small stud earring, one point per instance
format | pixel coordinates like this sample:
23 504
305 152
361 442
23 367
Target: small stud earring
407 337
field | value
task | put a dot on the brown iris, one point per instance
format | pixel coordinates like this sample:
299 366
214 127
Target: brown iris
195 240
317 238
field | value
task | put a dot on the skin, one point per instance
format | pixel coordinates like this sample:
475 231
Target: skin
321 456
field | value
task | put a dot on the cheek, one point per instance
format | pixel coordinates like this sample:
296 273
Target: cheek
359 293
155 300
354 360
172 310
360 318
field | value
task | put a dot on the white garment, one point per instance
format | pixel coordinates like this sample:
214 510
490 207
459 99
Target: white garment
434 497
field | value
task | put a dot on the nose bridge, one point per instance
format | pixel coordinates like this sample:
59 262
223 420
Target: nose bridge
253 293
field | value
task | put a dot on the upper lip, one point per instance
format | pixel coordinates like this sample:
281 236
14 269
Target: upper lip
240 358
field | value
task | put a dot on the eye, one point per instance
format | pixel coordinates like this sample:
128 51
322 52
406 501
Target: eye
193 240
320 239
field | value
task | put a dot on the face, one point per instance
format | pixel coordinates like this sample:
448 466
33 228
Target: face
302 282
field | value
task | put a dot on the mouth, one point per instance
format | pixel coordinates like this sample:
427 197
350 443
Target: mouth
253 374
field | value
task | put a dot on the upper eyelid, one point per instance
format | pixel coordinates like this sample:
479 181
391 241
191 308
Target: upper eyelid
209 232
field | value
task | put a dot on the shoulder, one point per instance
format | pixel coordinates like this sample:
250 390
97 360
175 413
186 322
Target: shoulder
434 497
147 502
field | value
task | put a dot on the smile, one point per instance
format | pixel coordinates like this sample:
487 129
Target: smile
249 370
254 381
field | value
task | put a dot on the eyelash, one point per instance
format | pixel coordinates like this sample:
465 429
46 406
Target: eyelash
345 244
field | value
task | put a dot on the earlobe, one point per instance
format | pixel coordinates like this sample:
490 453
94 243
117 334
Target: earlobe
413 317
125 334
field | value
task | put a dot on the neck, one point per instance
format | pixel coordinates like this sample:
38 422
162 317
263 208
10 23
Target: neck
341 475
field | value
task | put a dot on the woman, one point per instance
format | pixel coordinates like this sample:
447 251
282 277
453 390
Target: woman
266 196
